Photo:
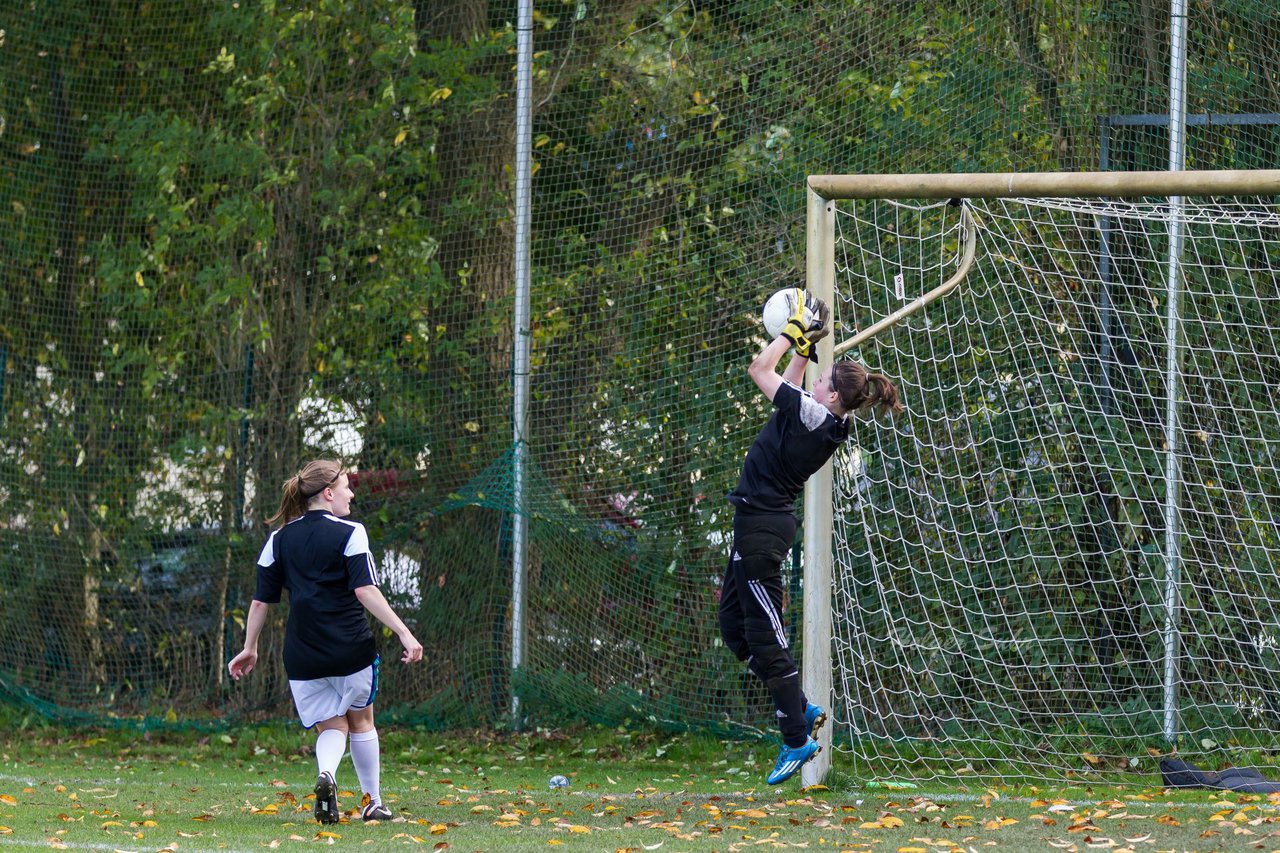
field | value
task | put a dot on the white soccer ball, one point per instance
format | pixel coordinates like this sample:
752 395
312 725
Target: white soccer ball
779 309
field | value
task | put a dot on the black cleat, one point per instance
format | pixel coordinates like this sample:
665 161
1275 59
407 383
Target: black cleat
327 799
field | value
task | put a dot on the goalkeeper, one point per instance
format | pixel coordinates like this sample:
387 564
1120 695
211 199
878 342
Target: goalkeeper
802 433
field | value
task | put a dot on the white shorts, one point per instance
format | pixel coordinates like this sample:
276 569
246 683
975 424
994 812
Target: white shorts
325 698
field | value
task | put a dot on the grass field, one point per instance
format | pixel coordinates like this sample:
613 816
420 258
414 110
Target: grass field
250 790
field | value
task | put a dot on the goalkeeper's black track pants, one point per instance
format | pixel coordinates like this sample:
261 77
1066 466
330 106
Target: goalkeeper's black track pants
751 613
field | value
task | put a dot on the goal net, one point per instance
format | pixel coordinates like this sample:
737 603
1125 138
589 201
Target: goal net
1062 557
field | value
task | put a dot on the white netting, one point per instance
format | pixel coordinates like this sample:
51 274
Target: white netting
1002 564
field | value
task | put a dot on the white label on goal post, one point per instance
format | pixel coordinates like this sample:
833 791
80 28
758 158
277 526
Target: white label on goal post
899 290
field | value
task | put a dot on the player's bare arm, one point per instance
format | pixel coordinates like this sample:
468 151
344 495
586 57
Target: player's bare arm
763 369
243 663
376 603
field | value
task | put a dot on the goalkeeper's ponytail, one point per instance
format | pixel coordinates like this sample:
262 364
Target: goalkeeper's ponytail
299 489
861 389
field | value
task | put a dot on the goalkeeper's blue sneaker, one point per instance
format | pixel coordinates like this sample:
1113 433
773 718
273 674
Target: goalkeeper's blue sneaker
791 759
814 717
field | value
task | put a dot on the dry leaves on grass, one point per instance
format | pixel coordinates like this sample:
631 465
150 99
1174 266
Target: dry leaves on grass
639 820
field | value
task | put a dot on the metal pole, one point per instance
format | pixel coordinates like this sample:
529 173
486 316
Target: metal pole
1105 354
520 326
820 272
1173 360
247 398
4 364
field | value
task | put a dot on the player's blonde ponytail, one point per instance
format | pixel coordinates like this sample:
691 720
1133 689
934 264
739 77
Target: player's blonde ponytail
311 480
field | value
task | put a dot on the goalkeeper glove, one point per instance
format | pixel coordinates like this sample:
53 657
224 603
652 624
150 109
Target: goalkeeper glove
807 324
819 326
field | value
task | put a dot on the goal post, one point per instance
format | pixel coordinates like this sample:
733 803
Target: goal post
816 634
996 579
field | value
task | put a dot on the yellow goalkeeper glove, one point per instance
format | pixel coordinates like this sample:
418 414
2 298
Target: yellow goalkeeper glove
807 324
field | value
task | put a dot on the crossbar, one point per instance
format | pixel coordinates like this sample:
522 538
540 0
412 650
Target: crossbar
1257 182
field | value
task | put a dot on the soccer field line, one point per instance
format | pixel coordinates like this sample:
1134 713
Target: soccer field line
762 795
45 844
26 780
114 781
860 798
959 797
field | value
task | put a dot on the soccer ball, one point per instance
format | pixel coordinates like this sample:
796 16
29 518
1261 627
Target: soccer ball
779 309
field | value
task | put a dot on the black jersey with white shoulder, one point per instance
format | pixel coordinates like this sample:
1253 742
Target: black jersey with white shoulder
321 559
799 438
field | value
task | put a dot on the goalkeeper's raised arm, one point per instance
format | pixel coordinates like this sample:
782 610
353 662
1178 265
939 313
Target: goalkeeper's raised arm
809 323
803 432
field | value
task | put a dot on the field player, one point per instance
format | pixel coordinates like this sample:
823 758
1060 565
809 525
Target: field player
801 435
329 651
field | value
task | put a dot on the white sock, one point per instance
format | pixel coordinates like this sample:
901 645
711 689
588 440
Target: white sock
366 755
330 744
